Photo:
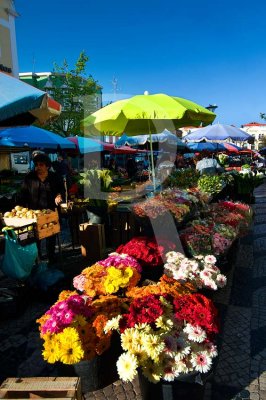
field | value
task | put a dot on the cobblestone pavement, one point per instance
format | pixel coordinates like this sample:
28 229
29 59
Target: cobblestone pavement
240 370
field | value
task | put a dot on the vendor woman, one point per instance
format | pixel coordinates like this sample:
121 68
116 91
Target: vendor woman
42 189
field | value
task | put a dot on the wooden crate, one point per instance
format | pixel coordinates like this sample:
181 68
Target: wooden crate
41 388
47 225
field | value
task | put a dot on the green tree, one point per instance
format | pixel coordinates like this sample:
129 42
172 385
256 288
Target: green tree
78 94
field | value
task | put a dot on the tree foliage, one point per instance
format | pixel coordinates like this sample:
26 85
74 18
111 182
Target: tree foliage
77 93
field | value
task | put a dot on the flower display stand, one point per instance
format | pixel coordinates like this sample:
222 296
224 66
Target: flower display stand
181 390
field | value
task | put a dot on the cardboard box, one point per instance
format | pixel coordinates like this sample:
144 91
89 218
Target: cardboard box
42 388
92 241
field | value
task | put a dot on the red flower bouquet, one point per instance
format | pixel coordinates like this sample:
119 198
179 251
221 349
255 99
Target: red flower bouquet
146 250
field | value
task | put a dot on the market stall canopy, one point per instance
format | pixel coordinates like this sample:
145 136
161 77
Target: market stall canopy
7 146
23 104
33 137
86 145
232 148
164 137
218 132
146 114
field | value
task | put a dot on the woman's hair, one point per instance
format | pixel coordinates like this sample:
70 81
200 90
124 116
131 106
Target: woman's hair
43 158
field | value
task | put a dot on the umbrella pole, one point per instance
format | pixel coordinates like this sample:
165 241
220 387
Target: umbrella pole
152 159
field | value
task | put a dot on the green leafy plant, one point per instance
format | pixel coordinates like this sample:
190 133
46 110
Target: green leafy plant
210 184
223 158
95 183
186 178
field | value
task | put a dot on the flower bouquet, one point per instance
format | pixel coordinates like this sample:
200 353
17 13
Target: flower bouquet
72 329
166 337
203 237
200 271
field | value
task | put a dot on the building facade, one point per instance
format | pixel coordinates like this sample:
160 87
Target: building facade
8 43
257 131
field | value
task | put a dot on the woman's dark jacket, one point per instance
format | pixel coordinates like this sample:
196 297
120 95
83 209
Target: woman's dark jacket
36 194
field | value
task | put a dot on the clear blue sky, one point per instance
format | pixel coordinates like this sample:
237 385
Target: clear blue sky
205 51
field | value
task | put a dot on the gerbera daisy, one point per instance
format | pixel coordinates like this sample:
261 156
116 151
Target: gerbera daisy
210 259
182 348
169 373
51 351
195 333
201 361
71 352
211 349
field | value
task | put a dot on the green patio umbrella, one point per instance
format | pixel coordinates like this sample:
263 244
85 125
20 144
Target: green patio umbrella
146 114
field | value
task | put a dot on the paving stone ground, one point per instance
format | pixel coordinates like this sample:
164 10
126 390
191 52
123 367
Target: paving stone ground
240 372
240 369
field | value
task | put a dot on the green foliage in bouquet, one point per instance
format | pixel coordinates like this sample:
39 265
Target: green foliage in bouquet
185 178
211 184
95 183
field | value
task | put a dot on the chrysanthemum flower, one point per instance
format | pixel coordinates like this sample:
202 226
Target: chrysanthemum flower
127 367
127 339
112 324
152 371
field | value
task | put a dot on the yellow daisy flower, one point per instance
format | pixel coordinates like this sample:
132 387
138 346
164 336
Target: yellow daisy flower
71 352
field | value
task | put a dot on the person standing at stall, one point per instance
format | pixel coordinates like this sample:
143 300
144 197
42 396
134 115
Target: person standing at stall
42 189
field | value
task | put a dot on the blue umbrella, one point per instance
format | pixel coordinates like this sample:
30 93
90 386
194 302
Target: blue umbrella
86 145
163 137
33 137
5 142
22 104
201 146
218 132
